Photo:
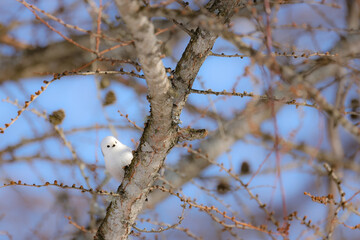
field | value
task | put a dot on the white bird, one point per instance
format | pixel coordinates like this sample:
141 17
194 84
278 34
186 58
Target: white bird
116 156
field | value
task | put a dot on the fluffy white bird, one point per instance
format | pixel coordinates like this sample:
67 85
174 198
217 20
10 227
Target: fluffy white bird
116 156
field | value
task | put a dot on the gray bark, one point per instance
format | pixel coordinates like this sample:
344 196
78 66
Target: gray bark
161 131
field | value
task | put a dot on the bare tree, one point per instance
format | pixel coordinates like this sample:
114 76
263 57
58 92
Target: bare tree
275 155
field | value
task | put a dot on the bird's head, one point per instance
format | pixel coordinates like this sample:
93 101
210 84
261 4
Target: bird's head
108 144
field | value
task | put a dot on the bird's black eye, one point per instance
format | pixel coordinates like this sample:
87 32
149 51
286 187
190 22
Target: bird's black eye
108 146
114 145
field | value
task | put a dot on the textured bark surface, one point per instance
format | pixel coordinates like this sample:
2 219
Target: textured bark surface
167 101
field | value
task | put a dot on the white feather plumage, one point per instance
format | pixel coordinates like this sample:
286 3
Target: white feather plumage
116 156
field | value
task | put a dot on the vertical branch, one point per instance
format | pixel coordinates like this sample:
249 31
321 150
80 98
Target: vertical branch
147 48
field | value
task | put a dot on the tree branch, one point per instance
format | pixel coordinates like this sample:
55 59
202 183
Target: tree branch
236 129
147 47
216 144
161 131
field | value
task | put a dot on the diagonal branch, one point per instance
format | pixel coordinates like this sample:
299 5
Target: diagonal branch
236 129
217 143
161 131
